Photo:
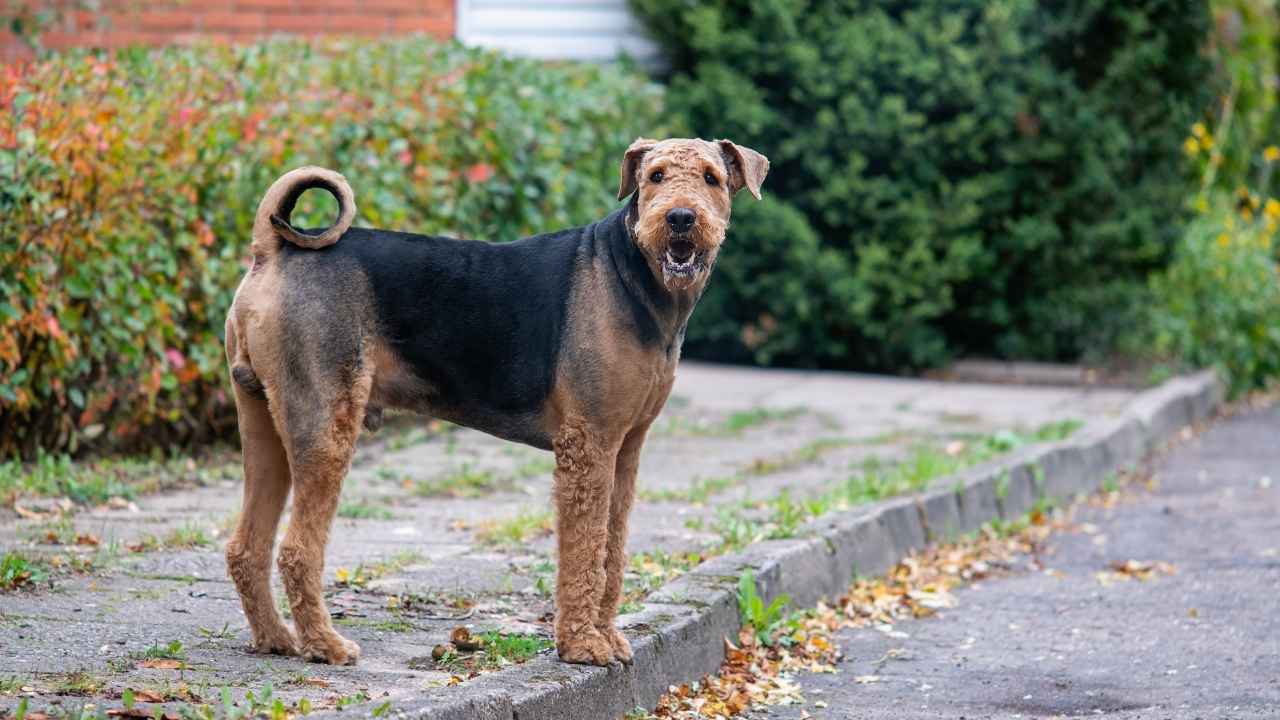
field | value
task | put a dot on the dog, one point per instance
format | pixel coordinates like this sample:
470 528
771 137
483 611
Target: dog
566 341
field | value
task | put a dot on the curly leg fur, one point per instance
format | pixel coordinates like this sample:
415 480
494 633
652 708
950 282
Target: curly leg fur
583 481
624 487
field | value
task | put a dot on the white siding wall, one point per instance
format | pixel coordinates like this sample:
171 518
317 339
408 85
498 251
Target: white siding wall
596 30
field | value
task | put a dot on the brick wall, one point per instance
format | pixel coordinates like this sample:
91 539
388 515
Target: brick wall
157 22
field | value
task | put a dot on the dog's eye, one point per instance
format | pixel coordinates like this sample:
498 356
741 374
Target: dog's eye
711 179
656 176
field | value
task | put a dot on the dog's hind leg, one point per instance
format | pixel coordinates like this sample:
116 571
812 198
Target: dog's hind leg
319 462
266 485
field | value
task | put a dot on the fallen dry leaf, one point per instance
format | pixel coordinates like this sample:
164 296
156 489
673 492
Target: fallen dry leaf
439 651
139 712
30 515
162 664
461 638
1133 570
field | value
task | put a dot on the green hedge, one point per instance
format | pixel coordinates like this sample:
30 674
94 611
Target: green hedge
951 177
130 181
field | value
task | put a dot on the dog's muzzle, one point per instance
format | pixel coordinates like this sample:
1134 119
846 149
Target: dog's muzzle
682 260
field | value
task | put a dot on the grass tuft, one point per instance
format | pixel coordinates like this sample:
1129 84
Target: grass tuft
17 571
465 482
497 650
516 530
363 511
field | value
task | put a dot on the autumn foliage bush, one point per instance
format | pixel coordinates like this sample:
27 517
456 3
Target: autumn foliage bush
128 185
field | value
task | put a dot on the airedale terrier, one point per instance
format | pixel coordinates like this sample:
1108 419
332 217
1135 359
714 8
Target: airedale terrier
566 342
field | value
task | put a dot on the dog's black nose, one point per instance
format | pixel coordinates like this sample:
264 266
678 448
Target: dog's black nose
680 219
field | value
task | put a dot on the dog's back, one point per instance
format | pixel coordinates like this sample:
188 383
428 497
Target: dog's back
478 324
472 329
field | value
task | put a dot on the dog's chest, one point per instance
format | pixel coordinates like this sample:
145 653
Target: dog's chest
661 377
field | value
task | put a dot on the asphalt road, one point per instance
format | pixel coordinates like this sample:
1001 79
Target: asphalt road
1202 642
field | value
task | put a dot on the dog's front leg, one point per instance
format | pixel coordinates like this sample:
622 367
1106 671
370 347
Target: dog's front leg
583 485
615 564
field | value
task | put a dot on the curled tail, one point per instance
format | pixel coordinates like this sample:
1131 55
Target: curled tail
272 221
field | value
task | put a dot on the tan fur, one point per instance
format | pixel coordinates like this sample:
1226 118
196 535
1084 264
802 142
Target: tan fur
266 486
275 457
601 432
318 474
684 164
609 387
626 468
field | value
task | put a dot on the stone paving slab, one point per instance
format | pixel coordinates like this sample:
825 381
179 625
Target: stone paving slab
430 497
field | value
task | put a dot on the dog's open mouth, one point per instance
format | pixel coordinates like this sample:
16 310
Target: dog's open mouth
682 261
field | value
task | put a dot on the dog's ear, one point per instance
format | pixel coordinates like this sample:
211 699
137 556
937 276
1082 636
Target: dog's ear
631 163
747 167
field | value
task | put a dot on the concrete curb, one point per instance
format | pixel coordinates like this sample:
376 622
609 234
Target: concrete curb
679 634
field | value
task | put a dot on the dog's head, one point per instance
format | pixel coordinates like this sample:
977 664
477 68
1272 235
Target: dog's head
684 193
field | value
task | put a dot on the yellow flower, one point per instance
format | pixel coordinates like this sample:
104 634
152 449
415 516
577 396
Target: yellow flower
1206 142
1198 130
342 575
1223 241
1271 154
1272 208
1191 147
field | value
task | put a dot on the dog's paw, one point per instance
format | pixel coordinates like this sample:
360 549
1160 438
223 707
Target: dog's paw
621 646
585 647
279 641
332 649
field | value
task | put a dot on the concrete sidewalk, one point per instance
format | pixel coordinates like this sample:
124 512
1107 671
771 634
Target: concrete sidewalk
1197 639
448 527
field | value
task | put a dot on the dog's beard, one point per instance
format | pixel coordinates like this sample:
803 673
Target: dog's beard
680 268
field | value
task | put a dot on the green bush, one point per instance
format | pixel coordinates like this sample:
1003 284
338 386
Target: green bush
1218 302
979 177
130 182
